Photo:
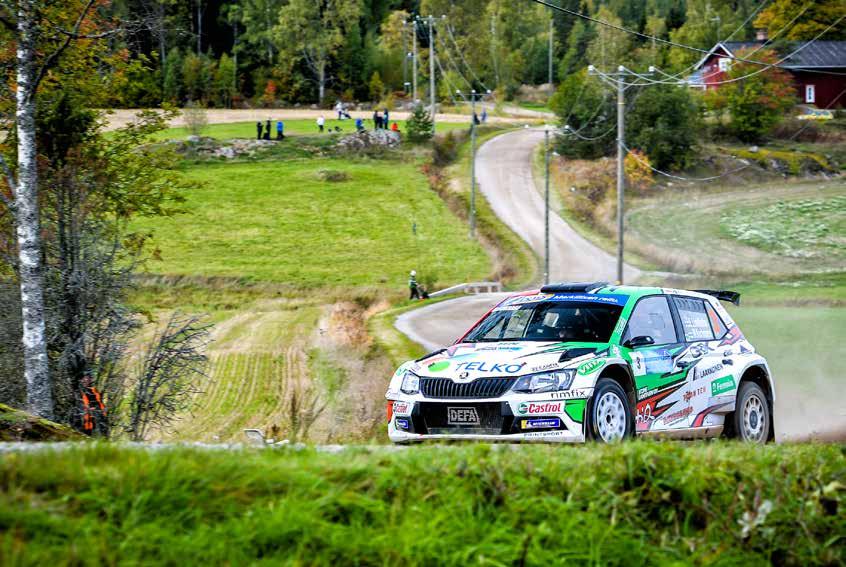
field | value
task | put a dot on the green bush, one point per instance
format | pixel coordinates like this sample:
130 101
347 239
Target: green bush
420 126
664 124
582 104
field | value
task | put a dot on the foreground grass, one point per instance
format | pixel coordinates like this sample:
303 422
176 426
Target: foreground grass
634 504
281 222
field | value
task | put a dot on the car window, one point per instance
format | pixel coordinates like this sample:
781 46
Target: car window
549 321
651 317
717 324
694 319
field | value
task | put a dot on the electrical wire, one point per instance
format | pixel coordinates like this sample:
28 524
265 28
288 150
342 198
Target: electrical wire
827 107
461 56
451 62
676 44
678 177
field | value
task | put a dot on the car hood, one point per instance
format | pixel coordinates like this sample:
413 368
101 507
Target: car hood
467 361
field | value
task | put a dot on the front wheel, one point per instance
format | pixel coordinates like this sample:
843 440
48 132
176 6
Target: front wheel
609 416
751 420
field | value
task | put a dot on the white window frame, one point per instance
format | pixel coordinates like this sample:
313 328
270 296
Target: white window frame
810 93
723 64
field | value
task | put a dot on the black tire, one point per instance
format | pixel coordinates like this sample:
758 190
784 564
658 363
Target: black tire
609 405
751 421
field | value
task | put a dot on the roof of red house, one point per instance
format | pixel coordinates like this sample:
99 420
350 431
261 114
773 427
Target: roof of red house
814 54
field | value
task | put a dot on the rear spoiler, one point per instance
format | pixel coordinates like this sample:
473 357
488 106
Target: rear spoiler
730 296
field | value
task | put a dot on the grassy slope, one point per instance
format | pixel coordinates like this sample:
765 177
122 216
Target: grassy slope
296 127
279 222
266 249
632 504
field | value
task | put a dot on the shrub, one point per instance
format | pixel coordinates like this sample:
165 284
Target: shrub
664 123
756 103
195 118
419 125
581 103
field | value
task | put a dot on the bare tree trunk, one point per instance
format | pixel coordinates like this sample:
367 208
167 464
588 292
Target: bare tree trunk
199 27
36 370
321 81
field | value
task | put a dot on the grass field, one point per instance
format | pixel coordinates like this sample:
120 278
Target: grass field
280 222
294 127
633 504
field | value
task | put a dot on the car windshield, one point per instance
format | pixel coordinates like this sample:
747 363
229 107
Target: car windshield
548 321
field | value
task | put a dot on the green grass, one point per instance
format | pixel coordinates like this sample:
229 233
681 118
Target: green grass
278 222
632 504
534 106
293 127
801 228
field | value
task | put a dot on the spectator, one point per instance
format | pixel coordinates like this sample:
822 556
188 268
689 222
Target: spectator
377 120
412 285
258 130
359 124
267 130
280 130
385 118
394 127
476 119
484 115
339 108
320 122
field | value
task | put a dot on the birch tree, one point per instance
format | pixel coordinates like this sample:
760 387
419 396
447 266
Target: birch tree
311 31
29 24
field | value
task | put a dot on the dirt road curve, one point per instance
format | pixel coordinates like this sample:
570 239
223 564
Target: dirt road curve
123 116
504 173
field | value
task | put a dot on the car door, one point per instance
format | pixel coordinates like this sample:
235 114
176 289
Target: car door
658 378
711 379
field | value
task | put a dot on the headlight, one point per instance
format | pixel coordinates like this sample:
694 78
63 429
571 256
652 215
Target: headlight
410 383
545 381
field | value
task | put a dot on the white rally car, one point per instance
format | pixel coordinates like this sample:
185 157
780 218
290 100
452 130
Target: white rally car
572 362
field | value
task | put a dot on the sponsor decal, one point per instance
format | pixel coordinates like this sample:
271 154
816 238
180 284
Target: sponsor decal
438 366
532 408
708 371
402 424
489 368
676 416
507 308
693 393
557 433
720 385
530 299
614 350
621 324
402 408
610 299
540 423
590 366
462 416
567 394
543 367
644 417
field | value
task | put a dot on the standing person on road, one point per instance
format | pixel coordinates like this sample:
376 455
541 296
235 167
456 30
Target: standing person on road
320 122
414 292
258 130
280 130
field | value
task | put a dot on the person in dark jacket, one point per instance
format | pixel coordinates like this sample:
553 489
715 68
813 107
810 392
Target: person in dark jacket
267 130
414 292
258 130
377 120
385 119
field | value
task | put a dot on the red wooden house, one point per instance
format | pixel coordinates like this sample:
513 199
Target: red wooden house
818 69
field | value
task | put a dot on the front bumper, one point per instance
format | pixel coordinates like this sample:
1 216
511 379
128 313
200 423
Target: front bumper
521 418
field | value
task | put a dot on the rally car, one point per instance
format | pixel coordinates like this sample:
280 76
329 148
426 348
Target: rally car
590 361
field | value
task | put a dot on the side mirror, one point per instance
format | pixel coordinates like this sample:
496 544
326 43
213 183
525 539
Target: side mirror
642 340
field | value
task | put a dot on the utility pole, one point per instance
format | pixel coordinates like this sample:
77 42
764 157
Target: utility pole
546 208
473 97
405 56
432 69
621 176
414 58
620 85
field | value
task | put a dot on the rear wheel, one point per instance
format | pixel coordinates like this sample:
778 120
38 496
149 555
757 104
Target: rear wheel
751 420
609 418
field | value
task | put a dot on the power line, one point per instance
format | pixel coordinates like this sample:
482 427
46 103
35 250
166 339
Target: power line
669 42
680 178
461 56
